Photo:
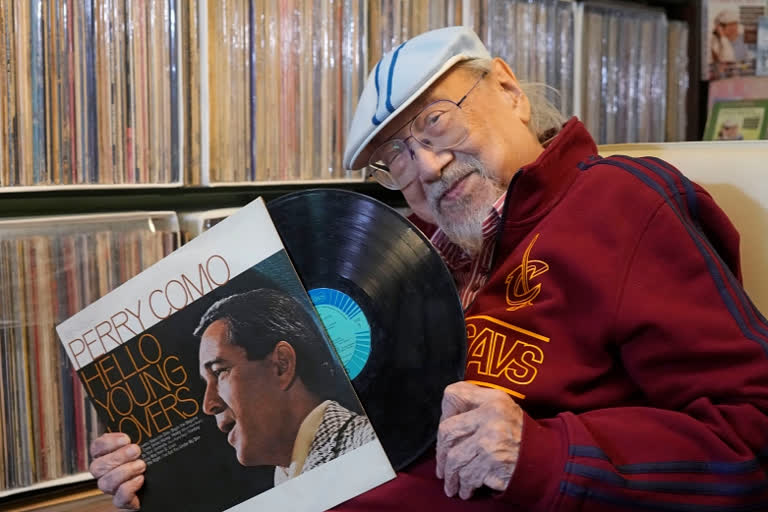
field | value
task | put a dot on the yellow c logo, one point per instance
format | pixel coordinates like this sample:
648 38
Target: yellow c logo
520 293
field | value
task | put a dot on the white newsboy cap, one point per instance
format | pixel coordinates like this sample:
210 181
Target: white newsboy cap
729 15
401 76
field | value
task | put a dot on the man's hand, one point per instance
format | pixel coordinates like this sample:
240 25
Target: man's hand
118 469
478 440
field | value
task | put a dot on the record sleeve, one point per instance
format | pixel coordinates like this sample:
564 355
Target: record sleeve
214 362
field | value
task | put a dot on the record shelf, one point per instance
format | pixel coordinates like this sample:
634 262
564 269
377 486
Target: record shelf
63 201
689 11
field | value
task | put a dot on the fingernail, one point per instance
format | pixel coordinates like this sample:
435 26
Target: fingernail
124 440
133 451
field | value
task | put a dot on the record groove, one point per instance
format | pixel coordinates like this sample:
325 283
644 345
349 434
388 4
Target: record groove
375 279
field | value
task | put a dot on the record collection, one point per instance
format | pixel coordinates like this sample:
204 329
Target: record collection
271 88
88 93
105 92
50 268
678 81
623 73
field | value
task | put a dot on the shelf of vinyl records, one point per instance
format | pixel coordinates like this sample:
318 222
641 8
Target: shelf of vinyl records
103 200
91 500
179 186
50 268
47 485
259 93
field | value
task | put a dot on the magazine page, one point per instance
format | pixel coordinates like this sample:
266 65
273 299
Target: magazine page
729 37
214 361
737 120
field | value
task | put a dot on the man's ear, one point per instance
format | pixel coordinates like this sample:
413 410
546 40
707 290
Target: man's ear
284 363
503 76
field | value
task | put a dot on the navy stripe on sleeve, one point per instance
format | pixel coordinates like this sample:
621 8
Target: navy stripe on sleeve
632 503
718 468
676 487
690 193
717 276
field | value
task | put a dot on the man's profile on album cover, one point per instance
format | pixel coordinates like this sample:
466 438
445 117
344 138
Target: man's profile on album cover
269 378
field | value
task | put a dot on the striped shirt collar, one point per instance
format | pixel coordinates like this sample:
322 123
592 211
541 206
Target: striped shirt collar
455 257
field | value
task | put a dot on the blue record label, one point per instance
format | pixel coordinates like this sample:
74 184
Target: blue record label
346 325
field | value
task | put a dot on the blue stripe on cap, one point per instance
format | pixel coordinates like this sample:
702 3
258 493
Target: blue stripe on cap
389 78
375 121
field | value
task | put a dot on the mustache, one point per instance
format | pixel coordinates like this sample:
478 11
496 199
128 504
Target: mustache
451 175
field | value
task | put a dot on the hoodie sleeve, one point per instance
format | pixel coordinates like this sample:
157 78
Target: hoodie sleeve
692 340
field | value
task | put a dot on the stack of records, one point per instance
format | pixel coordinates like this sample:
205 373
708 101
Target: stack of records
622 77
272 87
678 80
51 267
89 94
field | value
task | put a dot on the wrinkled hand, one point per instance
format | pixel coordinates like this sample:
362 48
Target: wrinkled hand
478 440
118 469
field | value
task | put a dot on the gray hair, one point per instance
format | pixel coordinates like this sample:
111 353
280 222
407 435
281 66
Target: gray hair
546 118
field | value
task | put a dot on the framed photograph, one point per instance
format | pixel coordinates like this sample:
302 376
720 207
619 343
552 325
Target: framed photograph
737 120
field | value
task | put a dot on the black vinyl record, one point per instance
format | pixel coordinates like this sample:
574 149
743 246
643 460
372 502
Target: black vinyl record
388 302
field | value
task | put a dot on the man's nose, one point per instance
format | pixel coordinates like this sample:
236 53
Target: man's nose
431 162
212 402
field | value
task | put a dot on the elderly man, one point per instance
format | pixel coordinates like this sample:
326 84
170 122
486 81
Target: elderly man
614 360
726 43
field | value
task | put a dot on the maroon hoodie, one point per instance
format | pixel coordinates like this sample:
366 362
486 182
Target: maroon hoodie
614 315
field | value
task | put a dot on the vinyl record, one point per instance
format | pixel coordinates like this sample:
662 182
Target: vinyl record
389 304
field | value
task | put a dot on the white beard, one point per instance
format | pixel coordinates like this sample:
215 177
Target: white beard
463 225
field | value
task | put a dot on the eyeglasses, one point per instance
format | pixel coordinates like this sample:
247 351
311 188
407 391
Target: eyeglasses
440 125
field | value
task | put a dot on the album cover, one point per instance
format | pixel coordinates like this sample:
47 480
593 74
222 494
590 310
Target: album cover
214 361
737 120
729 37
